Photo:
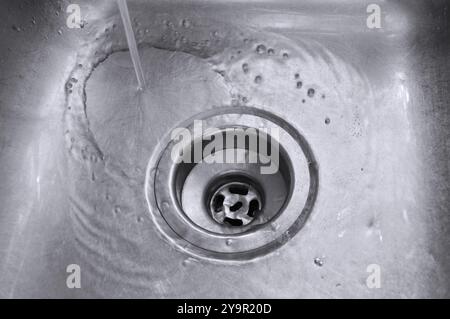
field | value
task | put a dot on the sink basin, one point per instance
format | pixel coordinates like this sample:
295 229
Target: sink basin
364 122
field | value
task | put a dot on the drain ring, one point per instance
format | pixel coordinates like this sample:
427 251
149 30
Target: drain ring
163 194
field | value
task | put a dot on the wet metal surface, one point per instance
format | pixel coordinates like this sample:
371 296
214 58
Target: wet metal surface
77 143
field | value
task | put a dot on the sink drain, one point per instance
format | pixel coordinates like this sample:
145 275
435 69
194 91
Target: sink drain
232 210
235 203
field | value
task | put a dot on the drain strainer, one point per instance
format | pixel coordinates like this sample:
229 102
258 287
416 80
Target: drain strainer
235 204
232 210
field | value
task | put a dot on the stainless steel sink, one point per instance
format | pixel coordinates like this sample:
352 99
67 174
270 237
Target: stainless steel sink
84 179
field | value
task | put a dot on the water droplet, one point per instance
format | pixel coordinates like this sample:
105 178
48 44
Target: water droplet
221 72
188 261
270 51
228 242
60 32
318 261
258 79
311 92
16 28
117 209
185 23
285 55
327 120
297 76
245 67
165 205
299 84
140 219
261 49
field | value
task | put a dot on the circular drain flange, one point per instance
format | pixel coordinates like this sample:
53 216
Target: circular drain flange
232 211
